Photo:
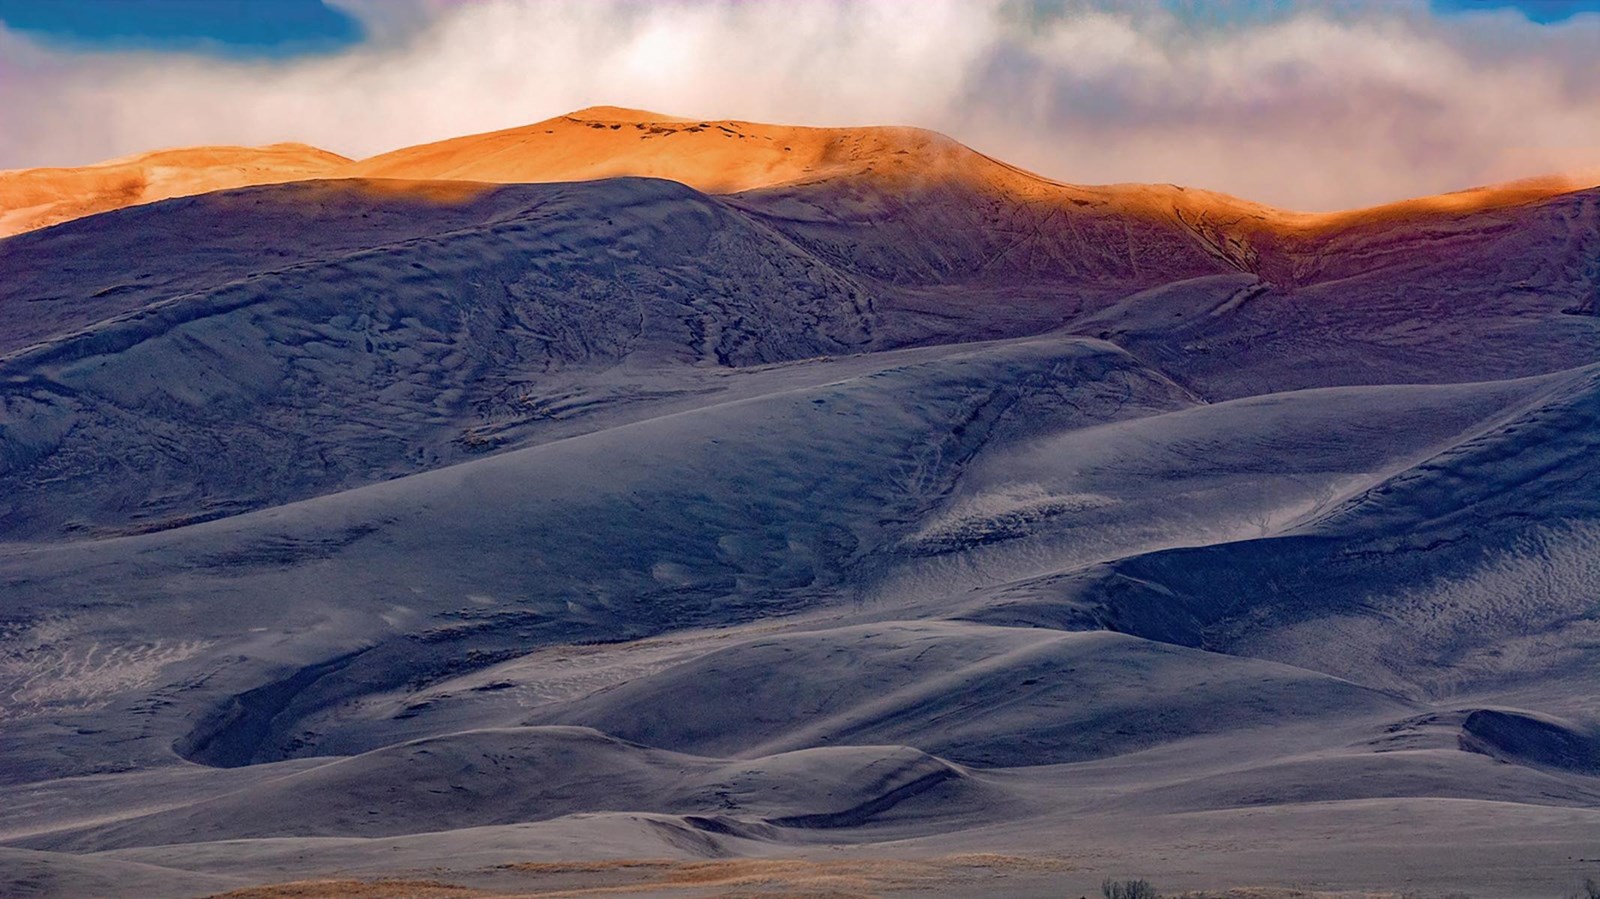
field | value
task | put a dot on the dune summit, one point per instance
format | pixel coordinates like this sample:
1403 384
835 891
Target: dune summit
651 505
715 157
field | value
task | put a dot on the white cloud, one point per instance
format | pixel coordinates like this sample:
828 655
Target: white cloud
1310 108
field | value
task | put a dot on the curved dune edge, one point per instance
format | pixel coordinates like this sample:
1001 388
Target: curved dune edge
712 156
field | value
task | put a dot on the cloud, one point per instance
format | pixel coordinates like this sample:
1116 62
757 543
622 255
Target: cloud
1308 110
1312 107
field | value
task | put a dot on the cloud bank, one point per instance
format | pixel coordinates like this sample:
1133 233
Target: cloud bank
1313 107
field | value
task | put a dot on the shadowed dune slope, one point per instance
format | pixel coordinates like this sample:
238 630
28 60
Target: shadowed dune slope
777 502
519 775
1473 570
422 342
383 332
998 697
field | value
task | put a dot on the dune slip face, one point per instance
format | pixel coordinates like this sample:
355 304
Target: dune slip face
660 506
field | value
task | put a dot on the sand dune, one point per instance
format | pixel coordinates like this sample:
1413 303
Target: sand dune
823 505
713 156
726 156
38 198
1027 696
524 775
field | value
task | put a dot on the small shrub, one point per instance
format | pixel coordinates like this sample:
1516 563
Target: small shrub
1591 890
1128 889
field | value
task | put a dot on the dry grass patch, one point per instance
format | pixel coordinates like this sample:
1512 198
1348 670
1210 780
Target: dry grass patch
844 877
355 889
1282 893
769 878
590 867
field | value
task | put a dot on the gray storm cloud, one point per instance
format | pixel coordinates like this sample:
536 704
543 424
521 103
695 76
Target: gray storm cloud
1311 108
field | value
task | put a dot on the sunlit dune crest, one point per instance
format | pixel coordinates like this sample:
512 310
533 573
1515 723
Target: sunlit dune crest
713 156
729 156
38 198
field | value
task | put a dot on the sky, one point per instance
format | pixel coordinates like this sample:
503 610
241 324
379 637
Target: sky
1309 106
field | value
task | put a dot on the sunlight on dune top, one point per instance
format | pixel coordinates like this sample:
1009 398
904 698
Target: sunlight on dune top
38 198
714 156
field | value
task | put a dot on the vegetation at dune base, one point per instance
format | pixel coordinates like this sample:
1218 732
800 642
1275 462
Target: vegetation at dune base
1590 890
1141 889
1128 889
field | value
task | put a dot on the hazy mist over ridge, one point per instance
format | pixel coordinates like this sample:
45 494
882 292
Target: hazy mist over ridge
1309 106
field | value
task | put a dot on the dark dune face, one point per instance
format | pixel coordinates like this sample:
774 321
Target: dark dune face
902 503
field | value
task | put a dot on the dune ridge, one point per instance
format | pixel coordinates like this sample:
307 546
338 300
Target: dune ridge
715 156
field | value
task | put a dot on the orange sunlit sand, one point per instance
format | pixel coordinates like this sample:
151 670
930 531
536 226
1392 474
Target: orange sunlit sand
719 157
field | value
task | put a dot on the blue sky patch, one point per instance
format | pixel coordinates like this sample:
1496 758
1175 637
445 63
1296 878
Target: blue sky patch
1545 11
244 28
